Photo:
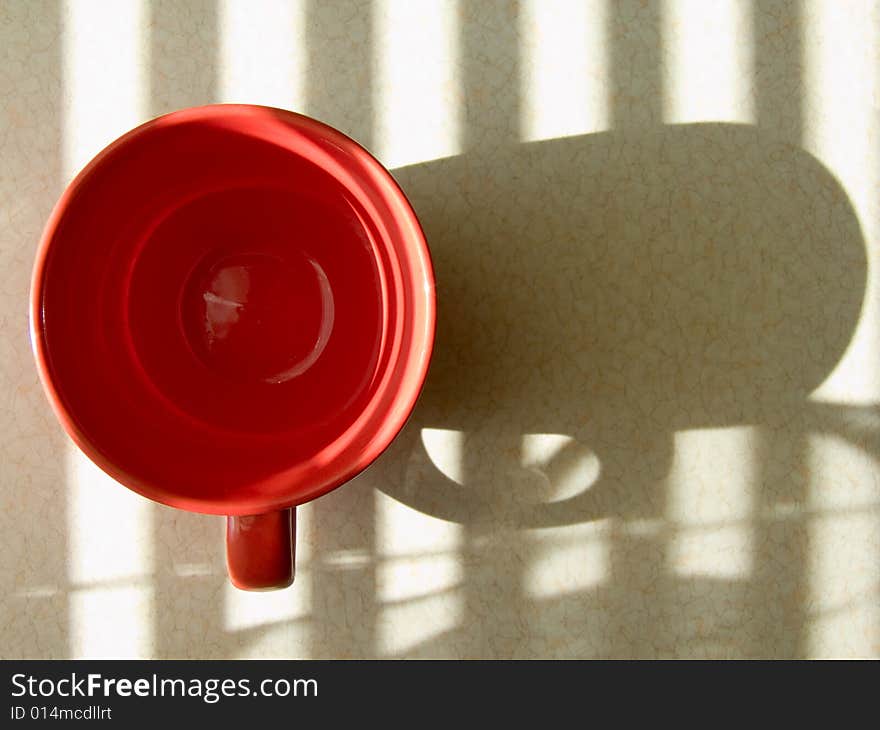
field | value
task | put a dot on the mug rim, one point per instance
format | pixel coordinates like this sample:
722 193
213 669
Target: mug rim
414 374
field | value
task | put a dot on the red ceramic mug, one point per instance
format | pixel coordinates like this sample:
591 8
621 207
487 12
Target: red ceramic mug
232 312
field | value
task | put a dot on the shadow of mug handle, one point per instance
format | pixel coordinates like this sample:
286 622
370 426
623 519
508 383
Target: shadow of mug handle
432 492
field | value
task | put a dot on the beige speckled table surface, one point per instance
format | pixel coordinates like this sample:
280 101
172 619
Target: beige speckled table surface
652 424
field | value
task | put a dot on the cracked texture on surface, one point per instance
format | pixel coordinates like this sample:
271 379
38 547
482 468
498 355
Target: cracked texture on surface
652 423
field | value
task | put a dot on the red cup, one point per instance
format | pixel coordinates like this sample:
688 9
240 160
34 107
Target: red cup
232 312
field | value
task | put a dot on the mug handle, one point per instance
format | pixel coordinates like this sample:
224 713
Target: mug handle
260 550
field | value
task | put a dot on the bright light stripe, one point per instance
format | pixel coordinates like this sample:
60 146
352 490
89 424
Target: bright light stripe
288 640
538 453
845 586
445 448
564 71
105 53
417 91
844 531
842 128
708 61
249 609
408 578
422 588
406 627
110 534
715 552
112 623
403 532
263 56
568 560
110 528
712 483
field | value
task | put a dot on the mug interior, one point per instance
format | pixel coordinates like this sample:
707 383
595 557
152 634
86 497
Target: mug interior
233 309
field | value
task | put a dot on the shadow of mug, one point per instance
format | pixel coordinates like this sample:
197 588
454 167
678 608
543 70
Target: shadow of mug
612 289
